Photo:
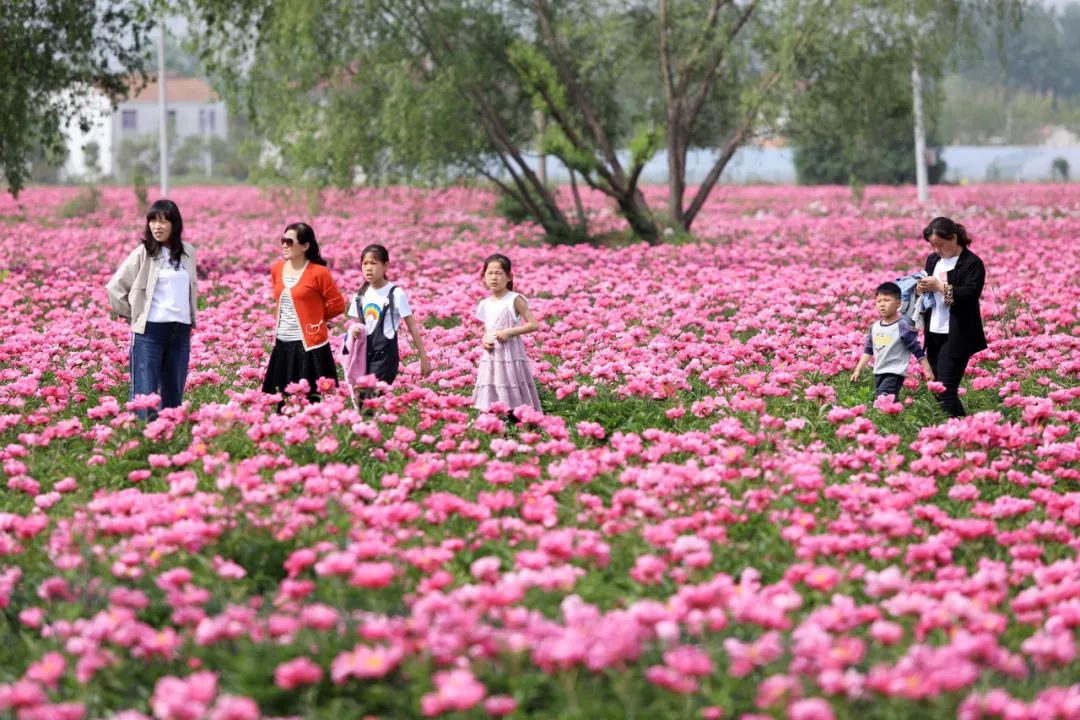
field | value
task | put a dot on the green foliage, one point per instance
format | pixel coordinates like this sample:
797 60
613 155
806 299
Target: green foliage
426 93
538 76
554 142
1034 51
43 88
511 208
645 144
979 113
852 124
138 186
92 158
1060 169
84 203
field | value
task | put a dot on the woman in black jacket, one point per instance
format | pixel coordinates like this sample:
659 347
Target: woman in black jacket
953 324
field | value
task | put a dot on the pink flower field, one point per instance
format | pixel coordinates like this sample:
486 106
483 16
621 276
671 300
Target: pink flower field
709 520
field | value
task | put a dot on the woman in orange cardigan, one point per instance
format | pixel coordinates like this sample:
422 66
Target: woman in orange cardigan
307 299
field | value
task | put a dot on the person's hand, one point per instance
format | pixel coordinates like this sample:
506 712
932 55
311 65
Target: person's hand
930 284
425 366
503 335
488 341
928 372
855 374
354 330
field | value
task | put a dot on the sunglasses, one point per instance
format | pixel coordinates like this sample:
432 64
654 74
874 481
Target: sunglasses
288 242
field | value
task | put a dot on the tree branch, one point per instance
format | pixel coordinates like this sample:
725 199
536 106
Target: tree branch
710 26
709 77
599 135
732 145
488 116
665 54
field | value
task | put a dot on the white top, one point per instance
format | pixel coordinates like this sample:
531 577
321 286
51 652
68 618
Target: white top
170 302
939 316
374 304
288 324
490 308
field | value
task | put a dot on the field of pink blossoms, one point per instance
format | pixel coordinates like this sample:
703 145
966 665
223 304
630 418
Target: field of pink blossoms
709 520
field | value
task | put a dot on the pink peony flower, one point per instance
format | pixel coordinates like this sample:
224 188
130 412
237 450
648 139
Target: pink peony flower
297 672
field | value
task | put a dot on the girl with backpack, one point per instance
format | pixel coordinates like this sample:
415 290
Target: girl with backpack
382 305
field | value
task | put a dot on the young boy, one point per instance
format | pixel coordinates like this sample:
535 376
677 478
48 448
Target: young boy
890 343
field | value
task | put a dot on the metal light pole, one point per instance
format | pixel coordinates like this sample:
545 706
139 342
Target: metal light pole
920 133
163 112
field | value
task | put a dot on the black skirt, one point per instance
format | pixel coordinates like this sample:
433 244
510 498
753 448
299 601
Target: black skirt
289 362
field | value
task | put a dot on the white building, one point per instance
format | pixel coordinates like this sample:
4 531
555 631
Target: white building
98 110
194 109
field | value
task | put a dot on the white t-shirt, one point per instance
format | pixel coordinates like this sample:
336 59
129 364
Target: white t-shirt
939 316
171 301
374 304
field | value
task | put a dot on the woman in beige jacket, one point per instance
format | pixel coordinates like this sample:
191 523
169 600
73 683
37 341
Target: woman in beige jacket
154 290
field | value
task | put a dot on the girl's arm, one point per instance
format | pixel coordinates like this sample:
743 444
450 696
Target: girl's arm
530 325
418 343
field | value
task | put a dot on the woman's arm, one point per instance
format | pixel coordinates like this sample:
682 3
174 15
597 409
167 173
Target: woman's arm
418 343
120 283
335 301
969 284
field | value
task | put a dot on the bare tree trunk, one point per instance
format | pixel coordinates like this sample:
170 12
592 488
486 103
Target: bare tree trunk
714 174
541 157
583 221
676 151
636 211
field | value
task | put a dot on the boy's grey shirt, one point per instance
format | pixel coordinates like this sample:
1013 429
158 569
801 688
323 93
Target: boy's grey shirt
892 346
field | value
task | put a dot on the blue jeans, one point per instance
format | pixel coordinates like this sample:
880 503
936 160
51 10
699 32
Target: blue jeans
159 363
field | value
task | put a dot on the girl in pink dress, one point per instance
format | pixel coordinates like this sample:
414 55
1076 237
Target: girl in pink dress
504 375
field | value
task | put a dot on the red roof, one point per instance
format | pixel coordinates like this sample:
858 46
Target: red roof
177 89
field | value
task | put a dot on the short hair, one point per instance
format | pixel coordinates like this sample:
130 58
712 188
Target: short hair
889 288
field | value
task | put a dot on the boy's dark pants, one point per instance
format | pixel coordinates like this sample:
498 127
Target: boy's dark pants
888 384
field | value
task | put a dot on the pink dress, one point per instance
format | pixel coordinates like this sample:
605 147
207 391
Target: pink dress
504 375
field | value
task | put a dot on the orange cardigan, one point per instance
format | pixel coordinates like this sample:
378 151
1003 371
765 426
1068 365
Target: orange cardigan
316 299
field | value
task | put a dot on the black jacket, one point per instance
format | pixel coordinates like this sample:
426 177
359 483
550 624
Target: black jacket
965 320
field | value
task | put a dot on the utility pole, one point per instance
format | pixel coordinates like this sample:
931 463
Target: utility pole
920 133
163 112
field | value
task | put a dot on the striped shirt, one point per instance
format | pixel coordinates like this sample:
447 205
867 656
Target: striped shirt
288 326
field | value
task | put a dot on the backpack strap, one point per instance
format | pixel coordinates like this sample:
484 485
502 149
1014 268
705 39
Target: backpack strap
358 300
390 307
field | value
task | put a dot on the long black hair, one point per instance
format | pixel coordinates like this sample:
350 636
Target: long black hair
944 227
166 210
306 236
504 262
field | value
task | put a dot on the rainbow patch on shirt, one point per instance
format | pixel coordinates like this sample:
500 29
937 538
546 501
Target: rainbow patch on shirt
372 312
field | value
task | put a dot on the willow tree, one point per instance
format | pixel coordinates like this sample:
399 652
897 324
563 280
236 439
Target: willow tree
426 91
54 54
